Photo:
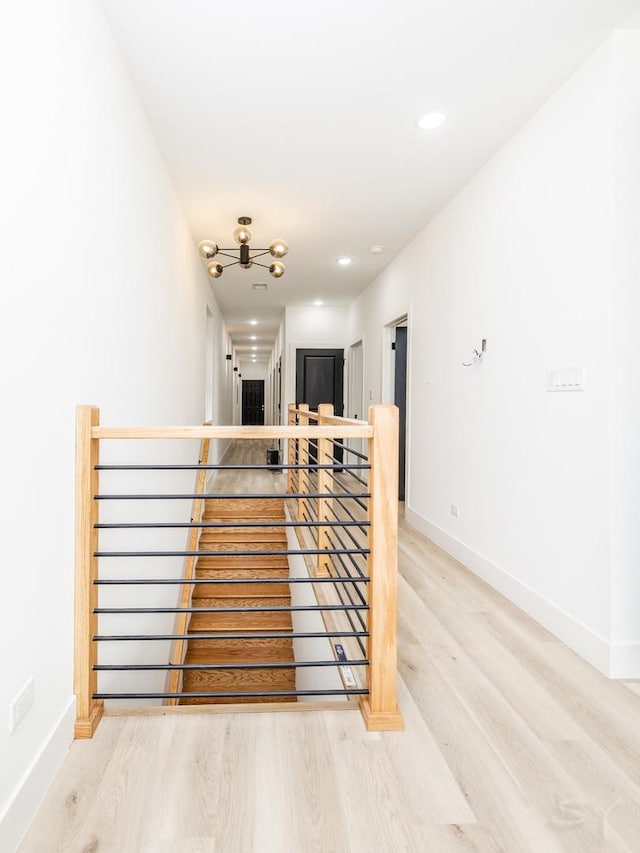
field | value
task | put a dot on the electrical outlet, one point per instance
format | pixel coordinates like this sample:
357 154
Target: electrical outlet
453 509
22 703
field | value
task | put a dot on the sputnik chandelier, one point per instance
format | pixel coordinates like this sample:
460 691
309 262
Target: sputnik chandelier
244 255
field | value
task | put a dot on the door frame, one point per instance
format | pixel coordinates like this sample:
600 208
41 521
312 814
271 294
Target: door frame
388 382
355 443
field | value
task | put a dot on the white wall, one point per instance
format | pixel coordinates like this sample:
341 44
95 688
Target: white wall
523 257
310 326
250 370
103 301
625 438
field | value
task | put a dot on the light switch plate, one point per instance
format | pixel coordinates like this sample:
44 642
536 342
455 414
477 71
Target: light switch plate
565 378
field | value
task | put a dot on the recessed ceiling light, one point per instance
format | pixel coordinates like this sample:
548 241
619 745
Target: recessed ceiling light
431 120
253 338
253 322
376 250
318 302
344 262
254 347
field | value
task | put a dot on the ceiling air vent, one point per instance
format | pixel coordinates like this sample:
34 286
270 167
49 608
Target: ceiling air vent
259 285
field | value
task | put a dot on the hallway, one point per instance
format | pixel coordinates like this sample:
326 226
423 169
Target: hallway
512 743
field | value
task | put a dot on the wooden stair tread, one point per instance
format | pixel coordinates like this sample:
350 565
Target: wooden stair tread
227 622
238 569
235 600
240 534
245 700
240 590
243 508
274 650
240 679
243 545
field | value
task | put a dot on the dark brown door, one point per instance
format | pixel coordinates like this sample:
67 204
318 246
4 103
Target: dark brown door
252 402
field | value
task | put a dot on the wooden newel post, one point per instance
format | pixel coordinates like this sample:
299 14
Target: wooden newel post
380 709
325 478
88 710
291 448
303 459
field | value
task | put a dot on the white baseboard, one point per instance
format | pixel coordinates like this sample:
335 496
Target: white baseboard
625 661
591 646
33 785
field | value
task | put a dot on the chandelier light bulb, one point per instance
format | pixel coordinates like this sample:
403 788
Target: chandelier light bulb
207 249
243 255
278 248
242 234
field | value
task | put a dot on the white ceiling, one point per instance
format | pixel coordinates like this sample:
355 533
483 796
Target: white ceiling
301 114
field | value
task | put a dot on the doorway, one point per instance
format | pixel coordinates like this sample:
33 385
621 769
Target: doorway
320 379
356 398
400 399
253 402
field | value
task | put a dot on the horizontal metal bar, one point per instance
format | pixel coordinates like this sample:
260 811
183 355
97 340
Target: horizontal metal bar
185 581
246 635
159 525
241 609
237 497
262 553
143 667
245 694
194 467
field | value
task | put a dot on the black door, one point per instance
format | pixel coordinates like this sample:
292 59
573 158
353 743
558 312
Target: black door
253 402
400 399
320 379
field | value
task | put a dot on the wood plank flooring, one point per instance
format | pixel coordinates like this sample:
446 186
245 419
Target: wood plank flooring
512 743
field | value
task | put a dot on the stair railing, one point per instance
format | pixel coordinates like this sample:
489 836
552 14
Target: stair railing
365 554
352 554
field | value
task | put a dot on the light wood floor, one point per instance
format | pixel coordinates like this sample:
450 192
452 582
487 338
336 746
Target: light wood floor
512 743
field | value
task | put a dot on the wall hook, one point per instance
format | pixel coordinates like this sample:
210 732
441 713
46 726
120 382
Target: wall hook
477 354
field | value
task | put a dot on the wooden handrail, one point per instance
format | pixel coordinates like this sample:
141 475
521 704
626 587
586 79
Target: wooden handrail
179 647
364 430
88 710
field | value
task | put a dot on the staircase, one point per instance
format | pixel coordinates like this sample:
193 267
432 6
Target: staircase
250 595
